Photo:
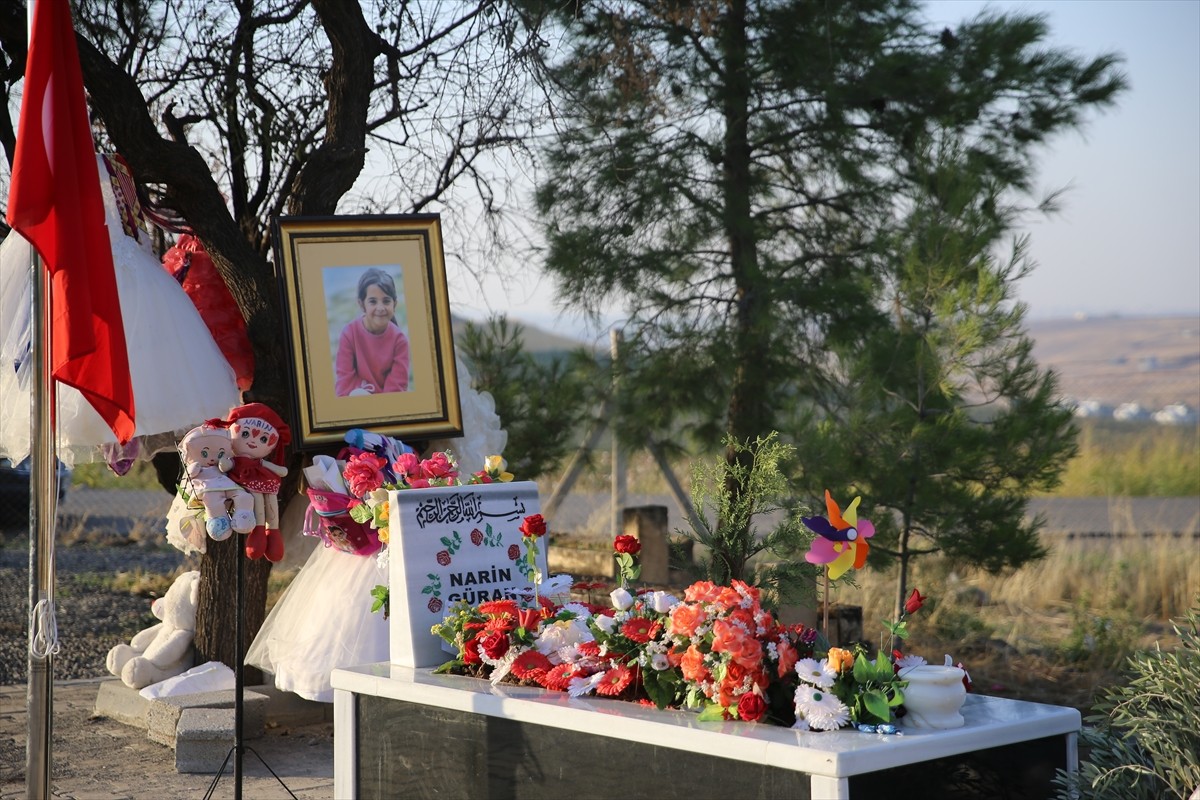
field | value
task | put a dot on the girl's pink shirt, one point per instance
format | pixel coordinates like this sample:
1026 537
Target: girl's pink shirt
367 360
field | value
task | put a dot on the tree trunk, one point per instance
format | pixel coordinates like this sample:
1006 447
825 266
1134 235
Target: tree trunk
216 621
747 416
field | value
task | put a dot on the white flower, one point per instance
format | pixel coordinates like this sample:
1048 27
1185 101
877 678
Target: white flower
801 724
605 623
560 635
905 662
581 686
659 661
661 602
502 665
383 558
822 710
815 672
375 497
621 599
578 609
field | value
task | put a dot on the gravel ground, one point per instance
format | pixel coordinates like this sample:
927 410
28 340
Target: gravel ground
91 617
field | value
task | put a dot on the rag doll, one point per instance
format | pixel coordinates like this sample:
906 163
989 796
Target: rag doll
259 436
207 453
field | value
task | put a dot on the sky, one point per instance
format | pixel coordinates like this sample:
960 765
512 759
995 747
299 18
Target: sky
1127 238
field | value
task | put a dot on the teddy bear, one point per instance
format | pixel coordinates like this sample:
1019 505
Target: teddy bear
207 453
163 650
259 436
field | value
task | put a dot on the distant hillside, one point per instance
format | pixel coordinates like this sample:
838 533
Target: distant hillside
1153 361
537 340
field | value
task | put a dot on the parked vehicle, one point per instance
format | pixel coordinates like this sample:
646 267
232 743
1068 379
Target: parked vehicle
14 490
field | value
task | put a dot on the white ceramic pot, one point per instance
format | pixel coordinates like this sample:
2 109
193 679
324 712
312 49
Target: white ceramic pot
933 697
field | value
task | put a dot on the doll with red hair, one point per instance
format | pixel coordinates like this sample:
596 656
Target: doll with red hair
259 436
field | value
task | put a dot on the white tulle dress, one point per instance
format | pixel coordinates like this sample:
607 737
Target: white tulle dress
324 621
180 378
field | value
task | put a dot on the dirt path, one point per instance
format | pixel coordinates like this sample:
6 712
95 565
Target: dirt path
94 758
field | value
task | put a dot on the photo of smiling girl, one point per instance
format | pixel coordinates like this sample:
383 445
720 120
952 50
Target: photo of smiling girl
372 351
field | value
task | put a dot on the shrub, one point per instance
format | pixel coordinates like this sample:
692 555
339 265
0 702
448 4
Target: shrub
1146 739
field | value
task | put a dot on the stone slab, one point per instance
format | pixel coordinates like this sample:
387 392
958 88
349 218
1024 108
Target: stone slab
117 701
203 739
164 714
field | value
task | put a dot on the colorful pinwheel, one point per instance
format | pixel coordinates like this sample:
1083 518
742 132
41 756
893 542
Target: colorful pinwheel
841 541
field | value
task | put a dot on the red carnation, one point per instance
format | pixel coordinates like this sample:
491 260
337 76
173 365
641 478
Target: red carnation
533 526
627 544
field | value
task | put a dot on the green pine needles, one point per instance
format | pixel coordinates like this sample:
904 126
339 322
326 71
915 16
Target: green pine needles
729 495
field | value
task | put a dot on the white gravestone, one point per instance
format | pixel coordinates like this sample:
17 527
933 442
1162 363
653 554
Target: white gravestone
450 544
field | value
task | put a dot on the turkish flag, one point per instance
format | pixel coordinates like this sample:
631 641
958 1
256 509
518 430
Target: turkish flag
54 201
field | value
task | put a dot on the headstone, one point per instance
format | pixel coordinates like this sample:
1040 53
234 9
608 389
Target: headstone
451 544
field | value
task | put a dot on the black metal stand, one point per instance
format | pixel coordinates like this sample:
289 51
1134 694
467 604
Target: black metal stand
238 694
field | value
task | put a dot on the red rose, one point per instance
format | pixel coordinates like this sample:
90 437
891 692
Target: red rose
493 645
533 526
514 552
364 473
408 467
751 707
470 652
443 558
914 602
477 537
439 465
627 544
435 605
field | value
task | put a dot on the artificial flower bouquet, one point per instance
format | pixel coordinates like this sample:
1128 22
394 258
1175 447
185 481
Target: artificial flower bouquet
348 496
717 651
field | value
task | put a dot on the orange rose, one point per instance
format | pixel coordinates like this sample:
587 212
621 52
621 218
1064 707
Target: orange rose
743 616
741 647
700 592
840 660
787 657
686 618
693 667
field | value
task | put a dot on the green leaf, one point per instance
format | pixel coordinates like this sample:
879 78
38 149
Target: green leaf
362 513
662 686
712 713
877 704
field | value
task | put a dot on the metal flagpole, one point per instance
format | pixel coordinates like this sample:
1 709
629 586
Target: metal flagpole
43 633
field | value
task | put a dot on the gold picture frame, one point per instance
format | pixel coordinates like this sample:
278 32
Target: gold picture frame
343 352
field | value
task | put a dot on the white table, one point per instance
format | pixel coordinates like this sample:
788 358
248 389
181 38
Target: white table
391 722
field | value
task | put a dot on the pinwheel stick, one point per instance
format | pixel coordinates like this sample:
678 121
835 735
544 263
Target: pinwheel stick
825 604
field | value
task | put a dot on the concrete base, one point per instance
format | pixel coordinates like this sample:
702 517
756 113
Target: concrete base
200 727
165 717
117 701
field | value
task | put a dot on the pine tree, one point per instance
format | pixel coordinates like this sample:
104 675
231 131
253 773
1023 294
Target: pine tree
730 171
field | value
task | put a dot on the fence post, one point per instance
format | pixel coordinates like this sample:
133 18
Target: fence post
648 524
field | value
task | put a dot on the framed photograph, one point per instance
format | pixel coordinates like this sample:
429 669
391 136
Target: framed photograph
368 327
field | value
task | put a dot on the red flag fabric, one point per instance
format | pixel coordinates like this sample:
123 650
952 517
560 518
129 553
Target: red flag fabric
54 201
